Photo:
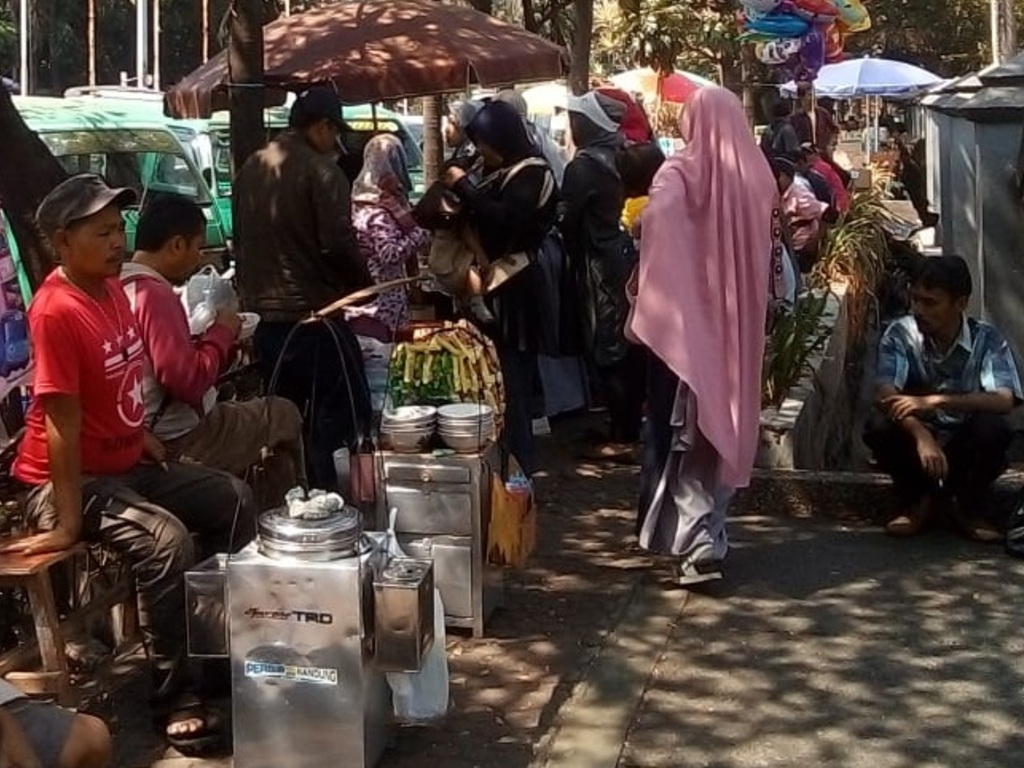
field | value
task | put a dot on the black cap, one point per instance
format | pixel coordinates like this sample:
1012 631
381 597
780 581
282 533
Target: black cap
79 198
320 101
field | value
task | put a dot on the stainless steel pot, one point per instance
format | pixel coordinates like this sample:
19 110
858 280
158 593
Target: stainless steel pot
331 538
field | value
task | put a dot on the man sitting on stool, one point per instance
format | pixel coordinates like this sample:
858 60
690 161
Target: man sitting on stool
945 384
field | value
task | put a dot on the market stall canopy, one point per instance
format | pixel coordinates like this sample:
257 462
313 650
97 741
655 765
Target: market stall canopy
869 77
372 50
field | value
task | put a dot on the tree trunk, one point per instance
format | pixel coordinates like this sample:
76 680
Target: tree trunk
1004 31
245 78
27 174
579 66
747 75
484 6
530 21
433 152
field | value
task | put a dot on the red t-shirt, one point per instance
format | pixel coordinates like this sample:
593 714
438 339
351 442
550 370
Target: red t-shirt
92 349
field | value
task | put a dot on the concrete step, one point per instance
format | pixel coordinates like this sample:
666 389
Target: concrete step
851 497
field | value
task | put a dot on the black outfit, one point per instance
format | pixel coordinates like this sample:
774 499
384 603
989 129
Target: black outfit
298 253
975 450
507 221
603 256
780 138
321 371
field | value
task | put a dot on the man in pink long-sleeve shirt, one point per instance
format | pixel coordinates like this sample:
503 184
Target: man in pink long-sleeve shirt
181 371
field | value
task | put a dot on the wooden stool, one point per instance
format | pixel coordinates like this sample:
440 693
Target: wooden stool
32 573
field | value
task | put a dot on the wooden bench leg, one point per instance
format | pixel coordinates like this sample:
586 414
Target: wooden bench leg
48 634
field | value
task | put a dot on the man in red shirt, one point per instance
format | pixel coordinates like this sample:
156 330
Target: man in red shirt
92 471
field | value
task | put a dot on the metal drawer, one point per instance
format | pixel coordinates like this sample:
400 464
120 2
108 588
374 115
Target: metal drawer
426 509
426 473
453 568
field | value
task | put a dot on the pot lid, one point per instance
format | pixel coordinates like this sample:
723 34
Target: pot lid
405 570
339 529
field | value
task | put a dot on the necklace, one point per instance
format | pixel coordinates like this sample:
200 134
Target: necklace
119 329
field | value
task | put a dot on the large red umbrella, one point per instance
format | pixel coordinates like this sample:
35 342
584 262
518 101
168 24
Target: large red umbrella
381 49
677 88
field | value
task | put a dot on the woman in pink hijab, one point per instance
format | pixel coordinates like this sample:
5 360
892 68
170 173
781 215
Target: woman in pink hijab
701 297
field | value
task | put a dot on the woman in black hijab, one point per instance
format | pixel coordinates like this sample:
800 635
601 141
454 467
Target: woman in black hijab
512 208
603 255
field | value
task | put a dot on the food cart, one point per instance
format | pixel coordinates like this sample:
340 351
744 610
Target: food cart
441 460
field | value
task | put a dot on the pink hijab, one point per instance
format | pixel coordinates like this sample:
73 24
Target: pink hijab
705 258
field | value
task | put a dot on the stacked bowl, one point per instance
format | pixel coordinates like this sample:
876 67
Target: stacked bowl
408 429
466 427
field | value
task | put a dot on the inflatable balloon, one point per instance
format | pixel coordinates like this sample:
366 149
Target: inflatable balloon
814 11
777 51
812 52
779 25
853 16
756 7
834 44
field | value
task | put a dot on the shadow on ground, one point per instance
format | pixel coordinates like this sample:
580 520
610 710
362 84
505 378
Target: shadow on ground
837 646
507 687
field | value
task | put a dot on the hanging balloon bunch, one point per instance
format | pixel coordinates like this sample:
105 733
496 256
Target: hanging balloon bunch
801 36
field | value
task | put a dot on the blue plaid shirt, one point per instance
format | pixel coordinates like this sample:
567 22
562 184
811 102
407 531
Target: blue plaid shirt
979 361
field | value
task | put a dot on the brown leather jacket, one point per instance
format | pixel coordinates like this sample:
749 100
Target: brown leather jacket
295 246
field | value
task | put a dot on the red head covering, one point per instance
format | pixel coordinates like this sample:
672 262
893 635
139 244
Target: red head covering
635 126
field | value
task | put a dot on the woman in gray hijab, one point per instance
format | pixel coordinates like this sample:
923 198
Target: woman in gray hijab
603 255
460 115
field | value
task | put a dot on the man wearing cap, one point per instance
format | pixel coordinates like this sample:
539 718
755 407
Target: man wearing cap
297 253
91 471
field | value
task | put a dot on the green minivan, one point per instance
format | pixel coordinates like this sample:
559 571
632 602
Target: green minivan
210 144
130 147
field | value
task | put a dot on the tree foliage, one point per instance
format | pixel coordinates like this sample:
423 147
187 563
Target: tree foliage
949 37
697 35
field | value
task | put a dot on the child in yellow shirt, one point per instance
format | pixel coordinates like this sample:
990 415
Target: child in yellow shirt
637 166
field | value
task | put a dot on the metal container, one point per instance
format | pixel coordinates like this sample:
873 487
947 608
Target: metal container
306 692
330 538
403 605
444 508
206 608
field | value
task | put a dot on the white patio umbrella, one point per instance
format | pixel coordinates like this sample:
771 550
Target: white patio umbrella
868 77
543 99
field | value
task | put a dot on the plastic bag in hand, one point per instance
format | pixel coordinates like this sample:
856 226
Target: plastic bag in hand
208 287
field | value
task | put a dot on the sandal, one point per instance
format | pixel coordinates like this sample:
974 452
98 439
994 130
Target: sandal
615 453
210 738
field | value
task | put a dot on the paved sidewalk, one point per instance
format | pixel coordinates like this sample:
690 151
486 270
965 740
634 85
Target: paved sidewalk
835 646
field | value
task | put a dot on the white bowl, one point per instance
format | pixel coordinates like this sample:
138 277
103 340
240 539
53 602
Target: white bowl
465 412
249 322
465 444
476 429
406 442
407 413
419 426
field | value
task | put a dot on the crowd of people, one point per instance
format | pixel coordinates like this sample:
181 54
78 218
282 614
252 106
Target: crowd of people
633 268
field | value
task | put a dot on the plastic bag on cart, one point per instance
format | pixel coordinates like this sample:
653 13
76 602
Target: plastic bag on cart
420 697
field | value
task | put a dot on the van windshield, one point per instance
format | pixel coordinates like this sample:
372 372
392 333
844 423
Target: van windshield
148 161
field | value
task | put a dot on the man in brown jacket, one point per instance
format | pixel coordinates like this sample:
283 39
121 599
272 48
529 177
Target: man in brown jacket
297 252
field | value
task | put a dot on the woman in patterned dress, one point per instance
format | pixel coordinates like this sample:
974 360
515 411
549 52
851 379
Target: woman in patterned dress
390 240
